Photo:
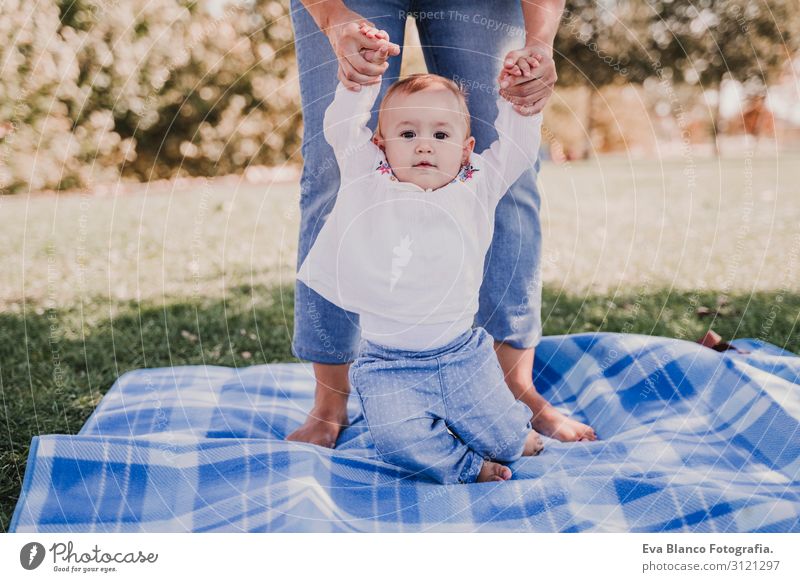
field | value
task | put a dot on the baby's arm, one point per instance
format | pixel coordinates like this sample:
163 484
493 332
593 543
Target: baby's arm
515 150
345 122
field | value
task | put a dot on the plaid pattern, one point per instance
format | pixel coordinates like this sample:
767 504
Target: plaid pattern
692 440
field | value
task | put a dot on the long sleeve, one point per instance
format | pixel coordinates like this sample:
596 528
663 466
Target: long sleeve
515 150
345 129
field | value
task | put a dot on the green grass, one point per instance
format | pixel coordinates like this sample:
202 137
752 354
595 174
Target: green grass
96 286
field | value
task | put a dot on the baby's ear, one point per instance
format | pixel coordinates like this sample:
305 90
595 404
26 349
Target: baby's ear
469 146
377 140
470 143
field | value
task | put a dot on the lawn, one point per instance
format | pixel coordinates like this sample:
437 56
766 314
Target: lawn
94 286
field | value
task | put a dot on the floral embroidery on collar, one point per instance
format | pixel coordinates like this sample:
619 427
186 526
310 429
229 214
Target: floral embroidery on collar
466 173
385 168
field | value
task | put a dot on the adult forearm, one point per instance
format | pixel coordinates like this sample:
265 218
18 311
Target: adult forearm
326 13
542 19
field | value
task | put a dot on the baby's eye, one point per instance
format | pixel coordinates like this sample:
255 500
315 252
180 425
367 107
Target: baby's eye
407 134
440 135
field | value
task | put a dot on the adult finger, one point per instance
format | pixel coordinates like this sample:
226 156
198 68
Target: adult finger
355 75
521 91
376 40
531 87
357 40
527 98
509 77
522 87
518 84
377 57
364 67
502 78
369 55
373 43
545 73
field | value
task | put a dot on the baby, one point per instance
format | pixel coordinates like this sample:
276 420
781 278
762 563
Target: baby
404 248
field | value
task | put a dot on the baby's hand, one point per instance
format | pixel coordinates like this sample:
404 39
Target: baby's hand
381 55
524 67
372 32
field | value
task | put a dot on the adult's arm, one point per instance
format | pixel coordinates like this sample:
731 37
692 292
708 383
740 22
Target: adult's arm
529 95
541 23
342 27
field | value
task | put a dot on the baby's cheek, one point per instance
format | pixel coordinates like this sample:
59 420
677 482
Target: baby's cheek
453 155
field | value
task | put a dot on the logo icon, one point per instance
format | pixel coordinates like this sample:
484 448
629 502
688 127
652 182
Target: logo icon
31 555
402 255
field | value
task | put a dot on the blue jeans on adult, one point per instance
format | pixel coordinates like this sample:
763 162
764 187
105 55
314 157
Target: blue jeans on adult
464 41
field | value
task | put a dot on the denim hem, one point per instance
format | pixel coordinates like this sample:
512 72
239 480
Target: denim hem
323 357
520 343
469 474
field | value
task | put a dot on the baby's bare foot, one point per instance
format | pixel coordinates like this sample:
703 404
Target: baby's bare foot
533 444
491 471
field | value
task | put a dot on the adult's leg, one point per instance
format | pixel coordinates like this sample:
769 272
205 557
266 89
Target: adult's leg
324 333
467 44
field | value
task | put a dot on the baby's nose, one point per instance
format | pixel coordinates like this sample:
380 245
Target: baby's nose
423 146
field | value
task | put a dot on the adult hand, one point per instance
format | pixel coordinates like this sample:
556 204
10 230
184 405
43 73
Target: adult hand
530 90
381 55
351 46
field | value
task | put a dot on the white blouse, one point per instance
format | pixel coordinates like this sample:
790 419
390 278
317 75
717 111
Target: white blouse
410 261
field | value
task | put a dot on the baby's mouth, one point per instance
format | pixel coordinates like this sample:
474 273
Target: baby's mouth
424 165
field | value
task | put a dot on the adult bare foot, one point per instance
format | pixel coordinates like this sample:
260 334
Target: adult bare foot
517 365
491 471
550 422
329 414
533 444
319 429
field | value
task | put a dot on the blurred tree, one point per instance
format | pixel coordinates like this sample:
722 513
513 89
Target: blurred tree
94 89
604 42
598 44
703 42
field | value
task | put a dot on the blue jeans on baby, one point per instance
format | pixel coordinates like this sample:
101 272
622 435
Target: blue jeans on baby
440 412
465 41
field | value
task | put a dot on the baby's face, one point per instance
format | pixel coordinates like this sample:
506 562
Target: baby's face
424 137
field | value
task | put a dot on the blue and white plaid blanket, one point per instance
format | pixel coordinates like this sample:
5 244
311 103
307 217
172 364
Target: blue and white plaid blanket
692 440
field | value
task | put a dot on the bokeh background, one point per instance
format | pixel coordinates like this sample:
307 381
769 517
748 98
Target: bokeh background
150 162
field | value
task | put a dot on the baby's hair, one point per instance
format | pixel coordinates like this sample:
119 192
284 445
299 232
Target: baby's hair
421 81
